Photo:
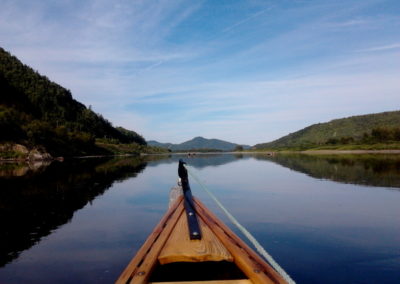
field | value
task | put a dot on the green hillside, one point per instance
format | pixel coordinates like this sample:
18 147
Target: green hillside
379 128
36 112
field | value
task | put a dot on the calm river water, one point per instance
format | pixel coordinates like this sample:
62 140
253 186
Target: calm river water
325 219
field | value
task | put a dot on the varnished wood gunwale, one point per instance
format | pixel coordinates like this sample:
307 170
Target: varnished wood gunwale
164 227
253 266
258 271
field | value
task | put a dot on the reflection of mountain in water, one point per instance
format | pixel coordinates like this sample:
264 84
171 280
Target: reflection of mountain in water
35 204
374 170
200 160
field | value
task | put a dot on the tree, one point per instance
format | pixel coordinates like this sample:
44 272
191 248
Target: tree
239 148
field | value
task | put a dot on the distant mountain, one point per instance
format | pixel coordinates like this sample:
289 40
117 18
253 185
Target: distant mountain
379 127
158 144
37 112
198 143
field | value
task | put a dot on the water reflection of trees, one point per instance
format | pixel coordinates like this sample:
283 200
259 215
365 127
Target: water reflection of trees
21 168
36 203
373 170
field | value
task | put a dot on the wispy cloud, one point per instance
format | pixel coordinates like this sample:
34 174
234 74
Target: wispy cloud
260 108
348 23
247 19
247 72
381 47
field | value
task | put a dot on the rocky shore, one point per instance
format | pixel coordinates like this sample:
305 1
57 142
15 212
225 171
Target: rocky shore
18 152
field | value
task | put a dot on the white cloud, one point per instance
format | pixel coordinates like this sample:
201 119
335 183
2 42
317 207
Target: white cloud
381 47
251 79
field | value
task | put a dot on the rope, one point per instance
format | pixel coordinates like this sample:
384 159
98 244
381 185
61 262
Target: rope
250 237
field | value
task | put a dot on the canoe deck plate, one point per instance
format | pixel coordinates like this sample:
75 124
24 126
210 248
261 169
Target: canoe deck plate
180 248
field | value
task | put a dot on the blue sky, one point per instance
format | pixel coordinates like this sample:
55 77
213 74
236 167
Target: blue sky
243 71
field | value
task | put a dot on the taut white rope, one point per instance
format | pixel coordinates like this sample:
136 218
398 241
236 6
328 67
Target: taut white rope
255 243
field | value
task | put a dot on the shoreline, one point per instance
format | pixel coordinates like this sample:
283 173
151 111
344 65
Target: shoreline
306 152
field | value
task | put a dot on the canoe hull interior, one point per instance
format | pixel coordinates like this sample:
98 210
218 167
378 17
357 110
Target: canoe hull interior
196 271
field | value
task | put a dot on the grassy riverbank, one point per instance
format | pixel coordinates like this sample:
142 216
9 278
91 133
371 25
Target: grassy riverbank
339 147
20 152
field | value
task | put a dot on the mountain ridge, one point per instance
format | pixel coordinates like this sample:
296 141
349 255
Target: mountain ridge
198 143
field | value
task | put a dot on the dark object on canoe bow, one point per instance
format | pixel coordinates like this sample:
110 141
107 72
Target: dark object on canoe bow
193 223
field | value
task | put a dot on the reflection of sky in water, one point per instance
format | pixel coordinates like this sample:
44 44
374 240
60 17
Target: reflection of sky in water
343 231
320 231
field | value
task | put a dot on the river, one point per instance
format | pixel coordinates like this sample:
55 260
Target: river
324 218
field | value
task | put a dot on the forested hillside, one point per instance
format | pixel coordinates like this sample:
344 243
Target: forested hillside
383 128
37 112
